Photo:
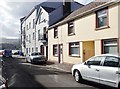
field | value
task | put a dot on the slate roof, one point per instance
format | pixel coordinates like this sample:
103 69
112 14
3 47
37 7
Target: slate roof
48 9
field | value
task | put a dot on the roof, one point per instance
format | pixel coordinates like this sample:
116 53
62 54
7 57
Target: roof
83 11
48 9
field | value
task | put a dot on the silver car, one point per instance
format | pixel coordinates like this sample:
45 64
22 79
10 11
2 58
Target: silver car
103 69
36 57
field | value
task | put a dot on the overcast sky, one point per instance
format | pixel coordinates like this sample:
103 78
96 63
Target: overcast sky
11 12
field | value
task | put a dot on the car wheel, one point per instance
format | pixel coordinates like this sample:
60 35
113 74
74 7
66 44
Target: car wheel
31 61
77 76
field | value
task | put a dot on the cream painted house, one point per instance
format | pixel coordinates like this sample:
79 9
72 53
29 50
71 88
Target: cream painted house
91 30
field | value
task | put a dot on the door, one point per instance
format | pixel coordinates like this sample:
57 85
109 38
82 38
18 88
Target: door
60 53
42 49
109 72
47 52
90 70
88 50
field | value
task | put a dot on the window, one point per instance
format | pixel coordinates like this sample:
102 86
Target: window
38 34
29 25
56 32
26 38
109 46
102 18
55 50
29 38
95 61
33 23
45 33
36 49
71 28
29 50
26 50
33 35
111 61
74 49
32 49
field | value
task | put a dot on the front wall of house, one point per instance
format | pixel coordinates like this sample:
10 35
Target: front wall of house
30 31
40 26
85 30
119 26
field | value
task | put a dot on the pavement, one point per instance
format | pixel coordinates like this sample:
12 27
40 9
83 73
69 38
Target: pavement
52 64
64 66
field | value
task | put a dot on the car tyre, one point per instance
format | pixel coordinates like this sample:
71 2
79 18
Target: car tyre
31 61
77 76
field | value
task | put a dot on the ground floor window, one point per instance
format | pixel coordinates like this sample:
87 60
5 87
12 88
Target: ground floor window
110 46
74 49
55 50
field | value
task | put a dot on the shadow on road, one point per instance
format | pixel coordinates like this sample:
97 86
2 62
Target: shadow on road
17 76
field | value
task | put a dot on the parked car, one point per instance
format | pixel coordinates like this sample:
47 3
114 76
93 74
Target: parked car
7 53
103 69
36 57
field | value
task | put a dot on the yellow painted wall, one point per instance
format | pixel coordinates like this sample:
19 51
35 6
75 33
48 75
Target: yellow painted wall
84 31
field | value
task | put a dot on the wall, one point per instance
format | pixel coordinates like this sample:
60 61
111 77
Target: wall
84 31
30 31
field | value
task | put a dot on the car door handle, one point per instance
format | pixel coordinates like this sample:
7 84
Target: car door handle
117 72
96 69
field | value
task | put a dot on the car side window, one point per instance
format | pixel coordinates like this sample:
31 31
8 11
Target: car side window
111 61
95 61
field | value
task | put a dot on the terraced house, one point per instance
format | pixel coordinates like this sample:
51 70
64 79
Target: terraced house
91 30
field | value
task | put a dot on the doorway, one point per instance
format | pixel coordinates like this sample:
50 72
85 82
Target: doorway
60 53
88 49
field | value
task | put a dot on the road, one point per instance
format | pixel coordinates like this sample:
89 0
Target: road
26 75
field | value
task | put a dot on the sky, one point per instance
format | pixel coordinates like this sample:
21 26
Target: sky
12 10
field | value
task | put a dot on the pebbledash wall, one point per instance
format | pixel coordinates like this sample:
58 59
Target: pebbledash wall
89 37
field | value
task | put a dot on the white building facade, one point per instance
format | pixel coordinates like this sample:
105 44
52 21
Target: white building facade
34 25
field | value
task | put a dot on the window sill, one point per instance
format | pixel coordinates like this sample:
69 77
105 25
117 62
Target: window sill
56 37
103 27
71 34
55 55
74 56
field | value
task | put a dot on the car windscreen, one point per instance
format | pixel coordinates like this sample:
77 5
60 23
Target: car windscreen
34 54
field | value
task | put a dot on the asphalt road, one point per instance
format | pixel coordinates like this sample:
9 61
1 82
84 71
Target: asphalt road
25 75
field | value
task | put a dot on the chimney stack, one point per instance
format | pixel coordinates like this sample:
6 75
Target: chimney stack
66 7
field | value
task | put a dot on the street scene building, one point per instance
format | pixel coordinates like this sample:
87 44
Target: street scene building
34 34
88 31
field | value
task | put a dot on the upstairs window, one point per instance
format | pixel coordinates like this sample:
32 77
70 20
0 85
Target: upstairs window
56 32
33 35
29 25
102 18
33 23
38 34
29 38
71 28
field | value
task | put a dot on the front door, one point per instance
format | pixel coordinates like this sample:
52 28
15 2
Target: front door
60 53
42 49
88 50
